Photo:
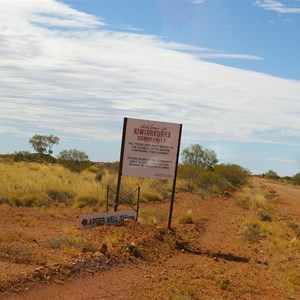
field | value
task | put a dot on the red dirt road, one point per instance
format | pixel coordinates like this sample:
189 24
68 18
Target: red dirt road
218 264
289 196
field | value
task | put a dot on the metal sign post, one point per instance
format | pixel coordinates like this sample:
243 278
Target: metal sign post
120 165
174 180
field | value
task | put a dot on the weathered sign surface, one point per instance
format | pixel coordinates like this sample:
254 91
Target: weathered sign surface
112 218
150 149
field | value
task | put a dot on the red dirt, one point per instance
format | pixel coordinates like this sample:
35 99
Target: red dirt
205 260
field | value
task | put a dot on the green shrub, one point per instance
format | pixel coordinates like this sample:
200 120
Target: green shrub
24 156
296 179
271 175
191 175
213 183
233 174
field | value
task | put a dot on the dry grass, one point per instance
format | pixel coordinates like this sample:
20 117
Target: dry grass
72 243
34 184
251 198
19 252
186 218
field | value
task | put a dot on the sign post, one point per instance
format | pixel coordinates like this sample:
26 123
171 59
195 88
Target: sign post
149 149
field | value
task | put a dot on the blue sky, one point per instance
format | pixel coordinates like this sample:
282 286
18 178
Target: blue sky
227 70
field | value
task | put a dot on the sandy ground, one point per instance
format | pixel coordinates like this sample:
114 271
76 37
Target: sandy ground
210 261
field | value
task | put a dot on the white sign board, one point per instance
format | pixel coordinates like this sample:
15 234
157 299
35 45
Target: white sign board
150 149
112 218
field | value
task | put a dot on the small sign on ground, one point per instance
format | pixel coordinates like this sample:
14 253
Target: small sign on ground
112 218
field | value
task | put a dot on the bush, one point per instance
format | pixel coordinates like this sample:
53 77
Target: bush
296 179
24 156
213 183
192 175
251 232
74 160
271 175
233 174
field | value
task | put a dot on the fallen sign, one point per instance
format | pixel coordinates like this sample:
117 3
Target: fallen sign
112 218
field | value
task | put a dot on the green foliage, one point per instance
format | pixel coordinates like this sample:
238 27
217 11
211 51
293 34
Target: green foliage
271 175
195 154
234 174
74 160
217 181
111 166
213 183
43 144
296 179
192 176
24 156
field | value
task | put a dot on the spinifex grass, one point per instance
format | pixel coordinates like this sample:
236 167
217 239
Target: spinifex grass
34 184
29 184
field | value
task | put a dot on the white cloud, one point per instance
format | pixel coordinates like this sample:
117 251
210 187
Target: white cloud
198 1
278 159
277 6
85 79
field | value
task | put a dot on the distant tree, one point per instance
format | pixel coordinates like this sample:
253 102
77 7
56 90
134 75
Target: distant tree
195 154
296 179
74 160
43 144
24 156
271 175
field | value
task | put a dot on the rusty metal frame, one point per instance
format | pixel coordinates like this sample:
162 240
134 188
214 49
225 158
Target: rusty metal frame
121 198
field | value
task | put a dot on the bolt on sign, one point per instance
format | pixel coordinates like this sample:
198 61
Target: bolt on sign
150 148
112 218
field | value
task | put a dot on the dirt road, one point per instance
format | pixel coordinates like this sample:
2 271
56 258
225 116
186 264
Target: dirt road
289 196
216 263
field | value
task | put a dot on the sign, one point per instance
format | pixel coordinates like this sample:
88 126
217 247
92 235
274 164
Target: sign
150 148
113 218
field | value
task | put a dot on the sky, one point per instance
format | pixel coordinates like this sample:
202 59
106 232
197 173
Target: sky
227 70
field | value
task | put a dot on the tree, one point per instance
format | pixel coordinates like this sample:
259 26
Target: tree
296 179
73 159
43 144
195 154
271 175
